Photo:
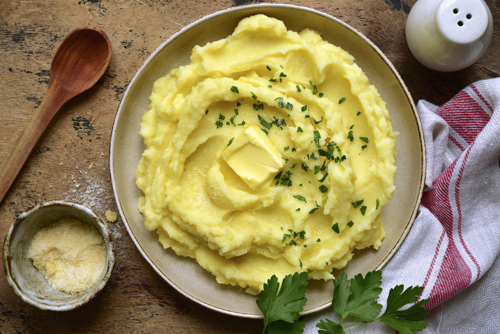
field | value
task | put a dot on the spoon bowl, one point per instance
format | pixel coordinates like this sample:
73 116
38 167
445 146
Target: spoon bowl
80 60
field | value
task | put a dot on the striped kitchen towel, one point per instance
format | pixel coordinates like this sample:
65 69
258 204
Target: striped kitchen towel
453 247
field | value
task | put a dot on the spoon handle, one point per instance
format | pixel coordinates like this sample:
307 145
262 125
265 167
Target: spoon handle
52 102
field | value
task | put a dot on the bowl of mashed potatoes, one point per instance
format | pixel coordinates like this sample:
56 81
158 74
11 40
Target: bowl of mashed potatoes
267 146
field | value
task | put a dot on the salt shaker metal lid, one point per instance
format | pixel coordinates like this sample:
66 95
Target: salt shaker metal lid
449 35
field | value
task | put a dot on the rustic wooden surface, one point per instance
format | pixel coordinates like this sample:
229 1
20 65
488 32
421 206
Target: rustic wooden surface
71 162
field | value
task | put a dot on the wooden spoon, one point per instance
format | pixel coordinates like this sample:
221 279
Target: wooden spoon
79 62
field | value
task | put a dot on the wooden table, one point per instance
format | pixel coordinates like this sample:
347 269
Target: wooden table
71 162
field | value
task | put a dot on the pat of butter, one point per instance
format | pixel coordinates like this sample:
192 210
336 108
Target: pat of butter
254 158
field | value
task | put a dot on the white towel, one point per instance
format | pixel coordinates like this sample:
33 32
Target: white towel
453 248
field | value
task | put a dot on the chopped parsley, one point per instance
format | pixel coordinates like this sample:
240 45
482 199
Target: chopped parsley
357 203
350 135
365 139
305 167
230 141
335 228
315 89
235 89
286 148
304 107
298 88
317 137
206 112
265 123
268 67
358 113
300 198
377 204
342 100
236 112
323 188
254 96
279 122
363 147
257 106
363 210
317 122
350 223
293 237
285 179
323 178
299 129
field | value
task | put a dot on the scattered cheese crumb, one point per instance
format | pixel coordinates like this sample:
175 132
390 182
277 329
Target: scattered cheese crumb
70 254
91 165
111 216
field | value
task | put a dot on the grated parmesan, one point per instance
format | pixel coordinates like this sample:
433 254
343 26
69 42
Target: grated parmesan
70 254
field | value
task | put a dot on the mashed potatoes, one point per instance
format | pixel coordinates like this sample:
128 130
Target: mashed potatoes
269 153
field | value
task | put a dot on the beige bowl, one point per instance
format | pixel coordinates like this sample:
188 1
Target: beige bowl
127 146
27 281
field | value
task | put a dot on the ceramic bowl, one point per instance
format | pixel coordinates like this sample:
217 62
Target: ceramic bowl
27 281
127 146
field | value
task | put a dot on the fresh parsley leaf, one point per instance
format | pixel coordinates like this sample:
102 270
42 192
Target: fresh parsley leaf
363 210
234 89
282 327
329 327
350 223
342 100
322 188
357 297
408 320
365 139
283 304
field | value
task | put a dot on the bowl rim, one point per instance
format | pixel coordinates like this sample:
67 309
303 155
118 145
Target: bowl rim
241 8
103 230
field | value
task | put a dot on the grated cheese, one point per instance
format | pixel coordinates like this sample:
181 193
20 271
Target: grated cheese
70 254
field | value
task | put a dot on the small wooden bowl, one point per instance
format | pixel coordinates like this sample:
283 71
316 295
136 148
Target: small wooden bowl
27 281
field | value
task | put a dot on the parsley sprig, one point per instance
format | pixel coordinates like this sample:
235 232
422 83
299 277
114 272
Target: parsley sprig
356 297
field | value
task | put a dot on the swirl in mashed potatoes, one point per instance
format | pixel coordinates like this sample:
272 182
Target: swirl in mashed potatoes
270 153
